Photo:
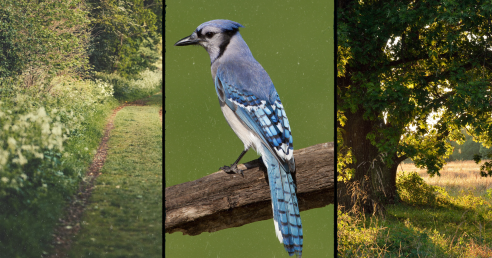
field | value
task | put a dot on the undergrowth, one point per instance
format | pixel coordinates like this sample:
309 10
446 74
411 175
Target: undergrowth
427 222
47 141
147 83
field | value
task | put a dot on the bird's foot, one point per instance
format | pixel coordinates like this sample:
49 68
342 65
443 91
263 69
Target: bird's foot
233 169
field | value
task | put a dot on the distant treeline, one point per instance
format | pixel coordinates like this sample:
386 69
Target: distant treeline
468 149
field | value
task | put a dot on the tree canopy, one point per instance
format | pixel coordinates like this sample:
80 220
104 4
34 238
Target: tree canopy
411 75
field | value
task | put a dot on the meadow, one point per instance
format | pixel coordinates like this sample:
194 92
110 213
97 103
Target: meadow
441 216
456 176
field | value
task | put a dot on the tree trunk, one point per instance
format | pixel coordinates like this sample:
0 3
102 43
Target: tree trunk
374 183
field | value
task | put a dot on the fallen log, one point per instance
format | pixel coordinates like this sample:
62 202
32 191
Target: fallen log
220 200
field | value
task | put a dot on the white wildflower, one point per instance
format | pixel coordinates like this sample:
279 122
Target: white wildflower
41 112
45 128
57 130
27 147
12 143
4 157
21 160
5 180
38 155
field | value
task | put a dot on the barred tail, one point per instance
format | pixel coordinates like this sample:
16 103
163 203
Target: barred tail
286 216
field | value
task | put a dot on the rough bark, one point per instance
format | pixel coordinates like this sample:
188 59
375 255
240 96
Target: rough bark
219 201
374 183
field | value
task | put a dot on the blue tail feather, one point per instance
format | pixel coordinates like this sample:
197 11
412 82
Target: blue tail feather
285 207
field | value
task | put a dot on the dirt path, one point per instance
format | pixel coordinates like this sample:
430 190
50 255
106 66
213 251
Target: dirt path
69 225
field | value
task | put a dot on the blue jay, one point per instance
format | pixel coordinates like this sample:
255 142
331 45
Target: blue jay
253 110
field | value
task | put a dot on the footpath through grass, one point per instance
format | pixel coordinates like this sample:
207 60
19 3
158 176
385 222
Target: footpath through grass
124 217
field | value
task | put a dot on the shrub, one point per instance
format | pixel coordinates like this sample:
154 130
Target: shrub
148 83
28 132
46 143
413 190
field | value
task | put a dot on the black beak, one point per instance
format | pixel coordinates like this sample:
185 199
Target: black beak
186 41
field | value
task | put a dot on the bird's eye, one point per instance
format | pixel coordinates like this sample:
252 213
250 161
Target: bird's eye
209 34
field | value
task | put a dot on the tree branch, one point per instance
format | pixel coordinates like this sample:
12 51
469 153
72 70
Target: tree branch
219 201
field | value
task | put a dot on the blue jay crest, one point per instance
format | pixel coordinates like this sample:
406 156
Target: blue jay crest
252 108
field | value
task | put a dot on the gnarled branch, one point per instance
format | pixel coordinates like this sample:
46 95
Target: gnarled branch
219 201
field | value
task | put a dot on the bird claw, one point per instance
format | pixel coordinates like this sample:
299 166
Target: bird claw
232 170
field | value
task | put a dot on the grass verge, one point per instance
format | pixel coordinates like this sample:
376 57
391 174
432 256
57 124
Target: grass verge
124 217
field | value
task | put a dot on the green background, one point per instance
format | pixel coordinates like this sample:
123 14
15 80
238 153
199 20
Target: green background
294 42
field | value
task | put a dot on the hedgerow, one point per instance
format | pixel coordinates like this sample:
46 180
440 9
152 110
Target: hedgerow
46 143
53 109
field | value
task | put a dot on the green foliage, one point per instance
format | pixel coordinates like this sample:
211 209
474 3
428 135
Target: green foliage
10 58
50 132
156 7
413 190
125 89
124 36
468 149
26 227
41 39
46 143
344 154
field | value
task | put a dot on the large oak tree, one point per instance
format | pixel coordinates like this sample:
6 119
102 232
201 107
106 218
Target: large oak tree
411 74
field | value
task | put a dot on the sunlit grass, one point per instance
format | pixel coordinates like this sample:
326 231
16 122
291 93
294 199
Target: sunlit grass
449 216
456 176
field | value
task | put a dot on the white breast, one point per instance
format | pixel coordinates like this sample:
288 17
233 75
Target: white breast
246 136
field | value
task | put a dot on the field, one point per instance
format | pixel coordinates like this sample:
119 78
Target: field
456 176
441 216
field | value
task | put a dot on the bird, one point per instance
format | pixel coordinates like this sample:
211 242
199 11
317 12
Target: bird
252 108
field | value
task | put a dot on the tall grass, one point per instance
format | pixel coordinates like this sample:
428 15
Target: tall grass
455 177
441 218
